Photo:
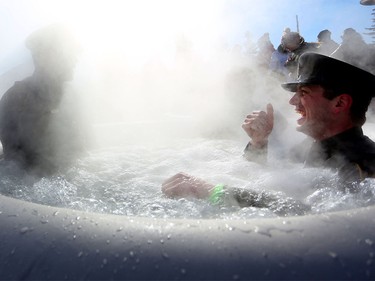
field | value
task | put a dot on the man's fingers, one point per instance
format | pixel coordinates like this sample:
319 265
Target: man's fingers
270 111
176 177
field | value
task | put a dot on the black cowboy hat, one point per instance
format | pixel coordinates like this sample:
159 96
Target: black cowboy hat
317 69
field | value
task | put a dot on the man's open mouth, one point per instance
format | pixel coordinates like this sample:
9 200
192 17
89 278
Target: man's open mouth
301 120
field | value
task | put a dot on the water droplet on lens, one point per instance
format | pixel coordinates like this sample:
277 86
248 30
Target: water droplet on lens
332 254
23 230
369 242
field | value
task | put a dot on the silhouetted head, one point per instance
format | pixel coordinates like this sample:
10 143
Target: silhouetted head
351 35
292 41
324 35
54 50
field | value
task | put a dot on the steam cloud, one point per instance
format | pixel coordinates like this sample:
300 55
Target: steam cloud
174 67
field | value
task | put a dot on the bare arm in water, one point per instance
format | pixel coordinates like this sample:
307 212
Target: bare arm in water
186 186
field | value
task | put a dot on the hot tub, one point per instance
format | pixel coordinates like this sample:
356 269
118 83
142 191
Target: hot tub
41 242
106 219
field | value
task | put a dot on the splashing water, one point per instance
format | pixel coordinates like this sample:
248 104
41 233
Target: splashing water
126 180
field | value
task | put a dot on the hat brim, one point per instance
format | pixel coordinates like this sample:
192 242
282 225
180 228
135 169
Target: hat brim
291 87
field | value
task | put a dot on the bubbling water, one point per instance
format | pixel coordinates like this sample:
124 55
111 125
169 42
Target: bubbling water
126 180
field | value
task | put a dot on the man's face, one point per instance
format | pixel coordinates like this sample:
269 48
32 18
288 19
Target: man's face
62 63
292 46
315 110
57 63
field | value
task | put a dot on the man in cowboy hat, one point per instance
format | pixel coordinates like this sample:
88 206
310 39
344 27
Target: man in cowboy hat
332 98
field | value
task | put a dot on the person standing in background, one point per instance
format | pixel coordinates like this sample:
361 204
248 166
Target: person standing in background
296 45
354 50
326 45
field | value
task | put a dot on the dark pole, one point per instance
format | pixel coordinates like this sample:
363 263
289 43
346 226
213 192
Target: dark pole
297 23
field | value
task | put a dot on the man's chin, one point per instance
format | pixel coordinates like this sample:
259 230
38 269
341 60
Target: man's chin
310 130
302 129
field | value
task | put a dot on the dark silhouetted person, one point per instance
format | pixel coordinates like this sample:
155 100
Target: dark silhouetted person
265 51
354 50
34 131
278 59
326 45
277 62
332 98
295 44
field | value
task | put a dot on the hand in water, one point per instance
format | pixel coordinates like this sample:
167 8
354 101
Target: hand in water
258 125
182 185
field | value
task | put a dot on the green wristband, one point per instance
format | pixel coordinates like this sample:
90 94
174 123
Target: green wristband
217 194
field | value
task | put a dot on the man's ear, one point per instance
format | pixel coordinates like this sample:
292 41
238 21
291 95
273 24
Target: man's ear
342 102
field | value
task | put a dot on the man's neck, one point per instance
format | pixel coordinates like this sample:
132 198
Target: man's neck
335 131
49 89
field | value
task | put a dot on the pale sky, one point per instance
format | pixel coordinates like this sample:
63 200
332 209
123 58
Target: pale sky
145 27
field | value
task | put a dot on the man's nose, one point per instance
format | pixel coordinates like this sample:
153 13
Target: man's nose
294 99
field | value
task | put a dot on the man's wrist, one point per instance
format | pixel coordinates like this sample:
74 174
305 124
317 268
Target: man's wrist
222 195
256 151
258 144
216 196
